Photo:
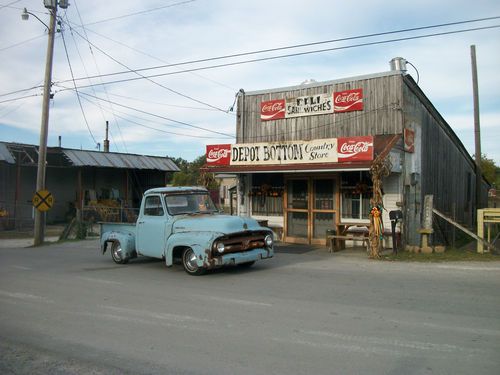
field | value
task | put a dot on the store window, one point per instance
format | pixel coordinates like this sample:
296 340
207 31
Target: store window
356 191
267 194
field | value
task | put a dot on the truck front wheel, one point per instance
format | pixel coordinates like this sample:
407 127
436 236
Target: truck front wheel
190 264
117 253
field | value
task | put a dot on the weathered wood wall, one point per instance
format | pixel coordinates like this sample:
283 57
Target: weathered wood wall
382 97
447 170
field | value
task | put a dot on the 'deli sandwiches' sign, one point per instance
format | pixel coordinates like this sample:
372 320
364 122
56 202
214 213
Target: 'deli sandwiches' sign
319 104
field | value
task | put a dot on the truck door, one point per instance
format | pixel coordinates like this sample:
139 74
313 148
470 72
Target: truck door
152 227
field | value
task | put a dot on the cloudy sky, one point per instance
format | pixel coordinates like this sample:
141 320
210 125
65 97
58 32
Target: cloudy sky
184 107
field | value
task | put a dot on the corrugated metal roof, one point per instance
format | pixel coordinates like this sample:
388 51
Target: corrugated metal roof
81 158
5 155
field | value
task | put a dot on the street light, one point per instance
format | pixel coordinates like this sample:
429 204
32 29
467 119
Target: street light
51 5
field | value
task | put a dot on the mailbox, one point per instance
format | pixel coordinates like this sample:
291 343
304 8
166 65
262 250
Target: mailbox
396 215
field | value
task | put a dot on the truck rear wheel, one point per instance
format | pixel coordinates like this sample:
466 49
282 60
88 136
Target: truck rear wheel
189 263
117 253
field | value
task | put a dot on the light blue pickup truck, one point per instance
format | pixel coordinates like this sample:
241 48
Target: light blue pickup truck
182 225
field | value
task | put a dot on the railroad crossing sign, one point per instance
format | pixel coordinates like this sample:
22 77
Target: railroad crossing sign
43 200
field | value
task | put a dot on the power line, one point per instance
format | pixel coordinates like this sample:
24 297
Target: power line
155 115
148 78
153 128
155 58
20 98
22 90
97 67
9 4
139 12
76 89
309 45
289 55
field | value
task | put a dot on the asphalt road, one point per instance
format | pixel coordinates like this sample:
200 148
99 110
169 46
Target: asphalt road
65 309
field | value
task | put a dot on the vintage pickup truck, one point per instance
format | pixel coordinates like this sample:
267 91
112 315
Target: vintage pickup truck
182 225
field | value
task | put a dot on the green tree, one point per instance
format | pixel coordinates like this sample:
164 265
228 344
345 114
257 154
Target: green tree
489 170
190 174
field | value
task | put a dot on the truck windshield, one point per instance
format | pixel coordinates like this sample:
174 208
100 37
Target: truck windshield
189 203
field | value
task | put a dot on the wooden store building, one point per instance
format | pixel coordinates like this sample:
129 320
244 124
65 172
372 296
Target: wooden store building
303 156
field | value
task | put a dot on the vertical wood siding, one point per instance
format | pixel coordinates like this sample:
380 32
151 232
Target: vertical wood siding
382 98
447 170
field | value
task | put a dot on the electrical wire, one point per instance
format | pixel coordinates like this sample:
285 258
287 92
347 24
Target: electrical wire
140 12
288 56
9 4
153 128
76 89
149 79
19 98
155 58
155 115
97 67
317 43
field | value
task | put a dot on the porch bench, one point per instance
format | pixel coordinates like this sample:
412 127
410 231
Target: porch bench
334 240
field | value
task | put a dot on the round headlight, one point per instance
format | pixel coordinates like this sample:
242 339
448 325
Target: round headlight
268 240
220 247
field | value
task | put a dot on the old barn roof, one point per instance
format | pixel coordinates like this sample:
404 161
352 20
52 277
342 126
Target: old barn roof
28 154
81 158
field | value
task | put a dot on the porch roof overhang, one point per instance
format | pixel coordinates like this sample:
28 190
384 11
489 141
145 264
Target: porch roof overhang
290 168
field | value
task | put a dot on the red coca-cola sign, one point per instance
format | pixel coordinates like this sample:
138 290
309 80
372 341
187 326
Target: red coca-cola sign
272 110
409 137
218 154
355 148
349 100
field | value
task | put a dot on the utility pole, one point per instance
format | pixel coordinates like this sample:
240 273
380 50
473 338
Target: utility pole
477 130
44 129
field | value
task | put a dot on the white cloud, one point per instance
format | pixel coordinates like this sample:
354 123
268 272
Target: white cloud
202 29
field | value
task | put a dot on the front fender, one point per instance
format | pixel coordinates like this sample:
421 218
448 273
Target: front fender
199 242
127 241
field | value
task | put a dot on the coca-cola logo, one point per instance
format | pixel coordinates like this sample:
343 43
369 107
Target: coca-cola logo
350 100
356 148
214 155
272 110
218 154
273 107
347 98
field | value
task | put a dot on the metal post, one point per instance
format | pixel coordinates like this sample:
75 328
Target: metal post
477 131
42 151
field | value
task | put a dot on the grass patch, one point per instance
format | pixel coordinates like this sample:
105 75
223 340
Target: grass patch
450 255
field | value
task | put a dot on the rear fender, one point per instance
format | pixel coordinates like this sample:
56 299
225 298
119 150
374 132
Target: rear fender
127 241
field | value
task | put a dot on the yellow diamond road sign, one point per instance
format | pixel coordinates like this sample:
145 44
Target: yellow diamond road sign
43 200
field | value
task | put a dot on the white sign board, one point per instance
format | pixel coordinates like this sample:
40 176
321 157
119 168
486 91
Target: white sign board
292 152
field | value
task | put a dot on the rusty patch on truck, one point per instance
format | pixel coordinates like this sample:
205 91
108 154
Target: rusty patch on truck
209 261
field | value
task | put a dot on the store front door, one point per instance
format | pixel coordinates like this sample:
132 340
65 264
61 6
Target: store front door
310 209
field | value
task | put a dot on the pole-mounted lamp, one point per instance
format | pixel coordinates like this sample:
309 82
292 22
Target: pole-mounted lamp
51 5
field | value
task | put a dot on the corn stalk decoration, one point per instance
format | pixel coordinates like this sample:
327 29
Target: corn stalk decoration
380 168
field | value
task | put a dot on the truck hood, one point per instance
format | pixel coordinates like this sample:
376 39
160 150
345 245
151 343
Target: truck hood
225 224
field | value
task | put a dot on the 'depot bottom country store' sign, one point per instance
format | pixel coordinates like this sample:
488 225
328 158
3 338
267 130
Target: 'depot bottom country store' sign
293 152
